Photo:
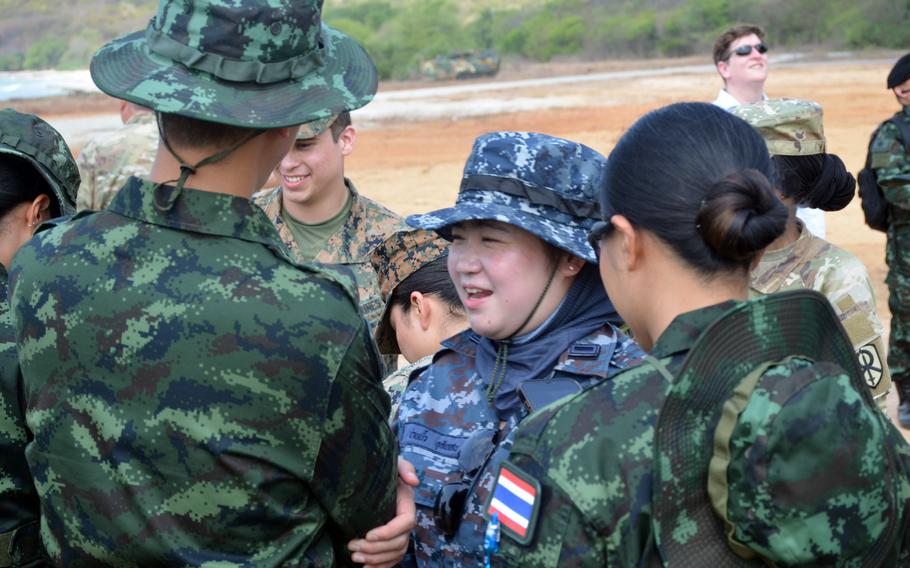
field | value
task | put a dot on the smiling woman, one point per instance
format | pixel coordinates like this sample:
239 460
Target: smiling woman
542 327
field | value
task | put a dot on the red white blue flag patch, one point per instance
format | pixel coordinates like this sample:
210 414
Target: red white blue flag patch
516 497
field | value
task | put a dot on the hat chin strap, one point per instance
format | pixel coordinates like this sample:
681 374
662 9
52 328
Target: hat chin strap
502 352
186 170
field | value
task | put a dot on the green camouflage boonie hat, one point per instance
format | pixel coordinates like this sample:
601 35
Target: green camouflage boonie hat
30 138
790 127
247 63
769 450
401 255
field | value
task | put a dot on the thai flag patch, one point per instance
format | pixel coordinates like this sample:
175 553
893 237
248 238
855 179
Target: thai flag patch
516 497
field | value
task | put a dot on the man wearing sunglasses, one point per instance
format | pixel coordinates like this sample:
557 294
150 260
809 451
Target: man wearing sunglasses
741 58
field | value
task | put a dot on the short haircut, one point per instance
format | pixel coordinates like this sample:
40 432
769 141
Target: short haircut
194 133
722 45
342 122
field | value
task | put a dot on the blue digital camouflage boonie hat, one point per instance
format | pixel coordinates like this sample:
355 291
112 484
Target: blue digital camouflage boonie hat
545 185
28 137
247 63
769 450
401 255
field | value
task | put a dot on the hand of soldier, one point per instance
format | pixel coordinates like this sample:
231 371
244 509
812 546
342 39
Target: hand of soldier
385 546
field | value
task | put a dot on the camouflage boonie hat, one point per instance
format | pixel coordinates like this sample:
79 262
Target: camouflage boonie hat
766 459
401 255
790 127
248 63
30 138
545 185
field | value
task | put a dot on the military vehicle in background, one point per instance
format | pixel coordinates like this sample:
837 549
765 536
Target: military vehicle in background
461 65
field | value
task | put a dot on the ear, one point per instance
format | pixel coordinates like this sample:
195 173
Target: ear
724 69
570 265
346 140
421 306
38 211
630 245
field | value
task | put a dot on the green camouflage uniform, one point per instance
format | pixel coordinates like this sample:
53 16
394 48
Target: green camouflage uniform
595 460
195 397
28 138
105 163
892 168
367 226
816 264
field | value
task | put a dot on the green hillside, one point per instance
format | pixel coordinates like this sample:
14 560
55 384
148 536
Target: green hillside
399 33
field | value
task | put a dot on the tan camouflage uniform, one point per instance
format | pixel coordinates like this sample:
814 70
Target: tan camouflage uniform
816 264
367 227
106 162
793 127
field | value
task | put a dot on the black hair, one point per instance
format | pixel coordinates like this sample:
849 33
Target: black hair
189 132
820 181
699 179
21 182
342 122
431 279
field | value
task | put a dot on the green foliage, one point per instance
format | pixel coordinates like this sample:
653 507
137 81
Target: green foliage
45 53
399 34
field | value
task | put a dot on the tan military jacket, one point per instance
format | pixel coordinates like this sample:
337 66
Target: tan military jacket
368 226
105 163
814 263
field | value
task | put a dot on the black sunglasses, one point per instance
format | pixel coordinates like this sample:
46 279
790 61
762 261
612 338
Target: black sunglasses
452 497
745 50
596 236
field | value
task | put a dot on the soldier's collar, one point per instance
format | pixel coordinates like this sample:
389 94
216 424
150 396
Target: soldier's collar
682 332
203 212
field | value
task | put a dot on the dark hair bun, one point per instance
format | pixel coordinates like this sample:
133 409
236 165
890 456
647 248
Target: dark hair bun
834 187
740 215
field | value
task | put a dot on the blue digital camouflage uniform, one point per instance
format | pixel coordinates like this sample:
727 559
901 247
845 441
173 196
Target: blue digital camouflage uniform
195 397
445 405
27 138
595 459
892 168
546 186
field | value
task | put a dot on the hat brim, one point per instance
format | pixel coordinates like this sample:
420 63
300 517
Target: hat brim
125 69
572 240
800 323
64 201
385 336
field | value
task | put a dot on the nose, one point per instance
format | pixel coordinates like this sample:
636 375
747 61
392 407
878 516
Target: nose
463 258
290 161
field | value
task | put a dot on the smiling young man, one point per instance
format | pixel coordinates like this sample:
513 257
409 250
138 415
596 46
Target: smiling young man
319 214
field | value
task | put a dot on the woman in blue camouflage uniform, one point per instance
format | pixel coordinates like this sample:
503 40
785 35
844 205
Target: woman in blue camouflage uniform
38 181
542 327
747 437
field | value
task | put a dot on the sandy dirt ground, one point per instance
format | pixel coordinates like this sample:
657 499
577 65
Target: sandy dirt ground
415 165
